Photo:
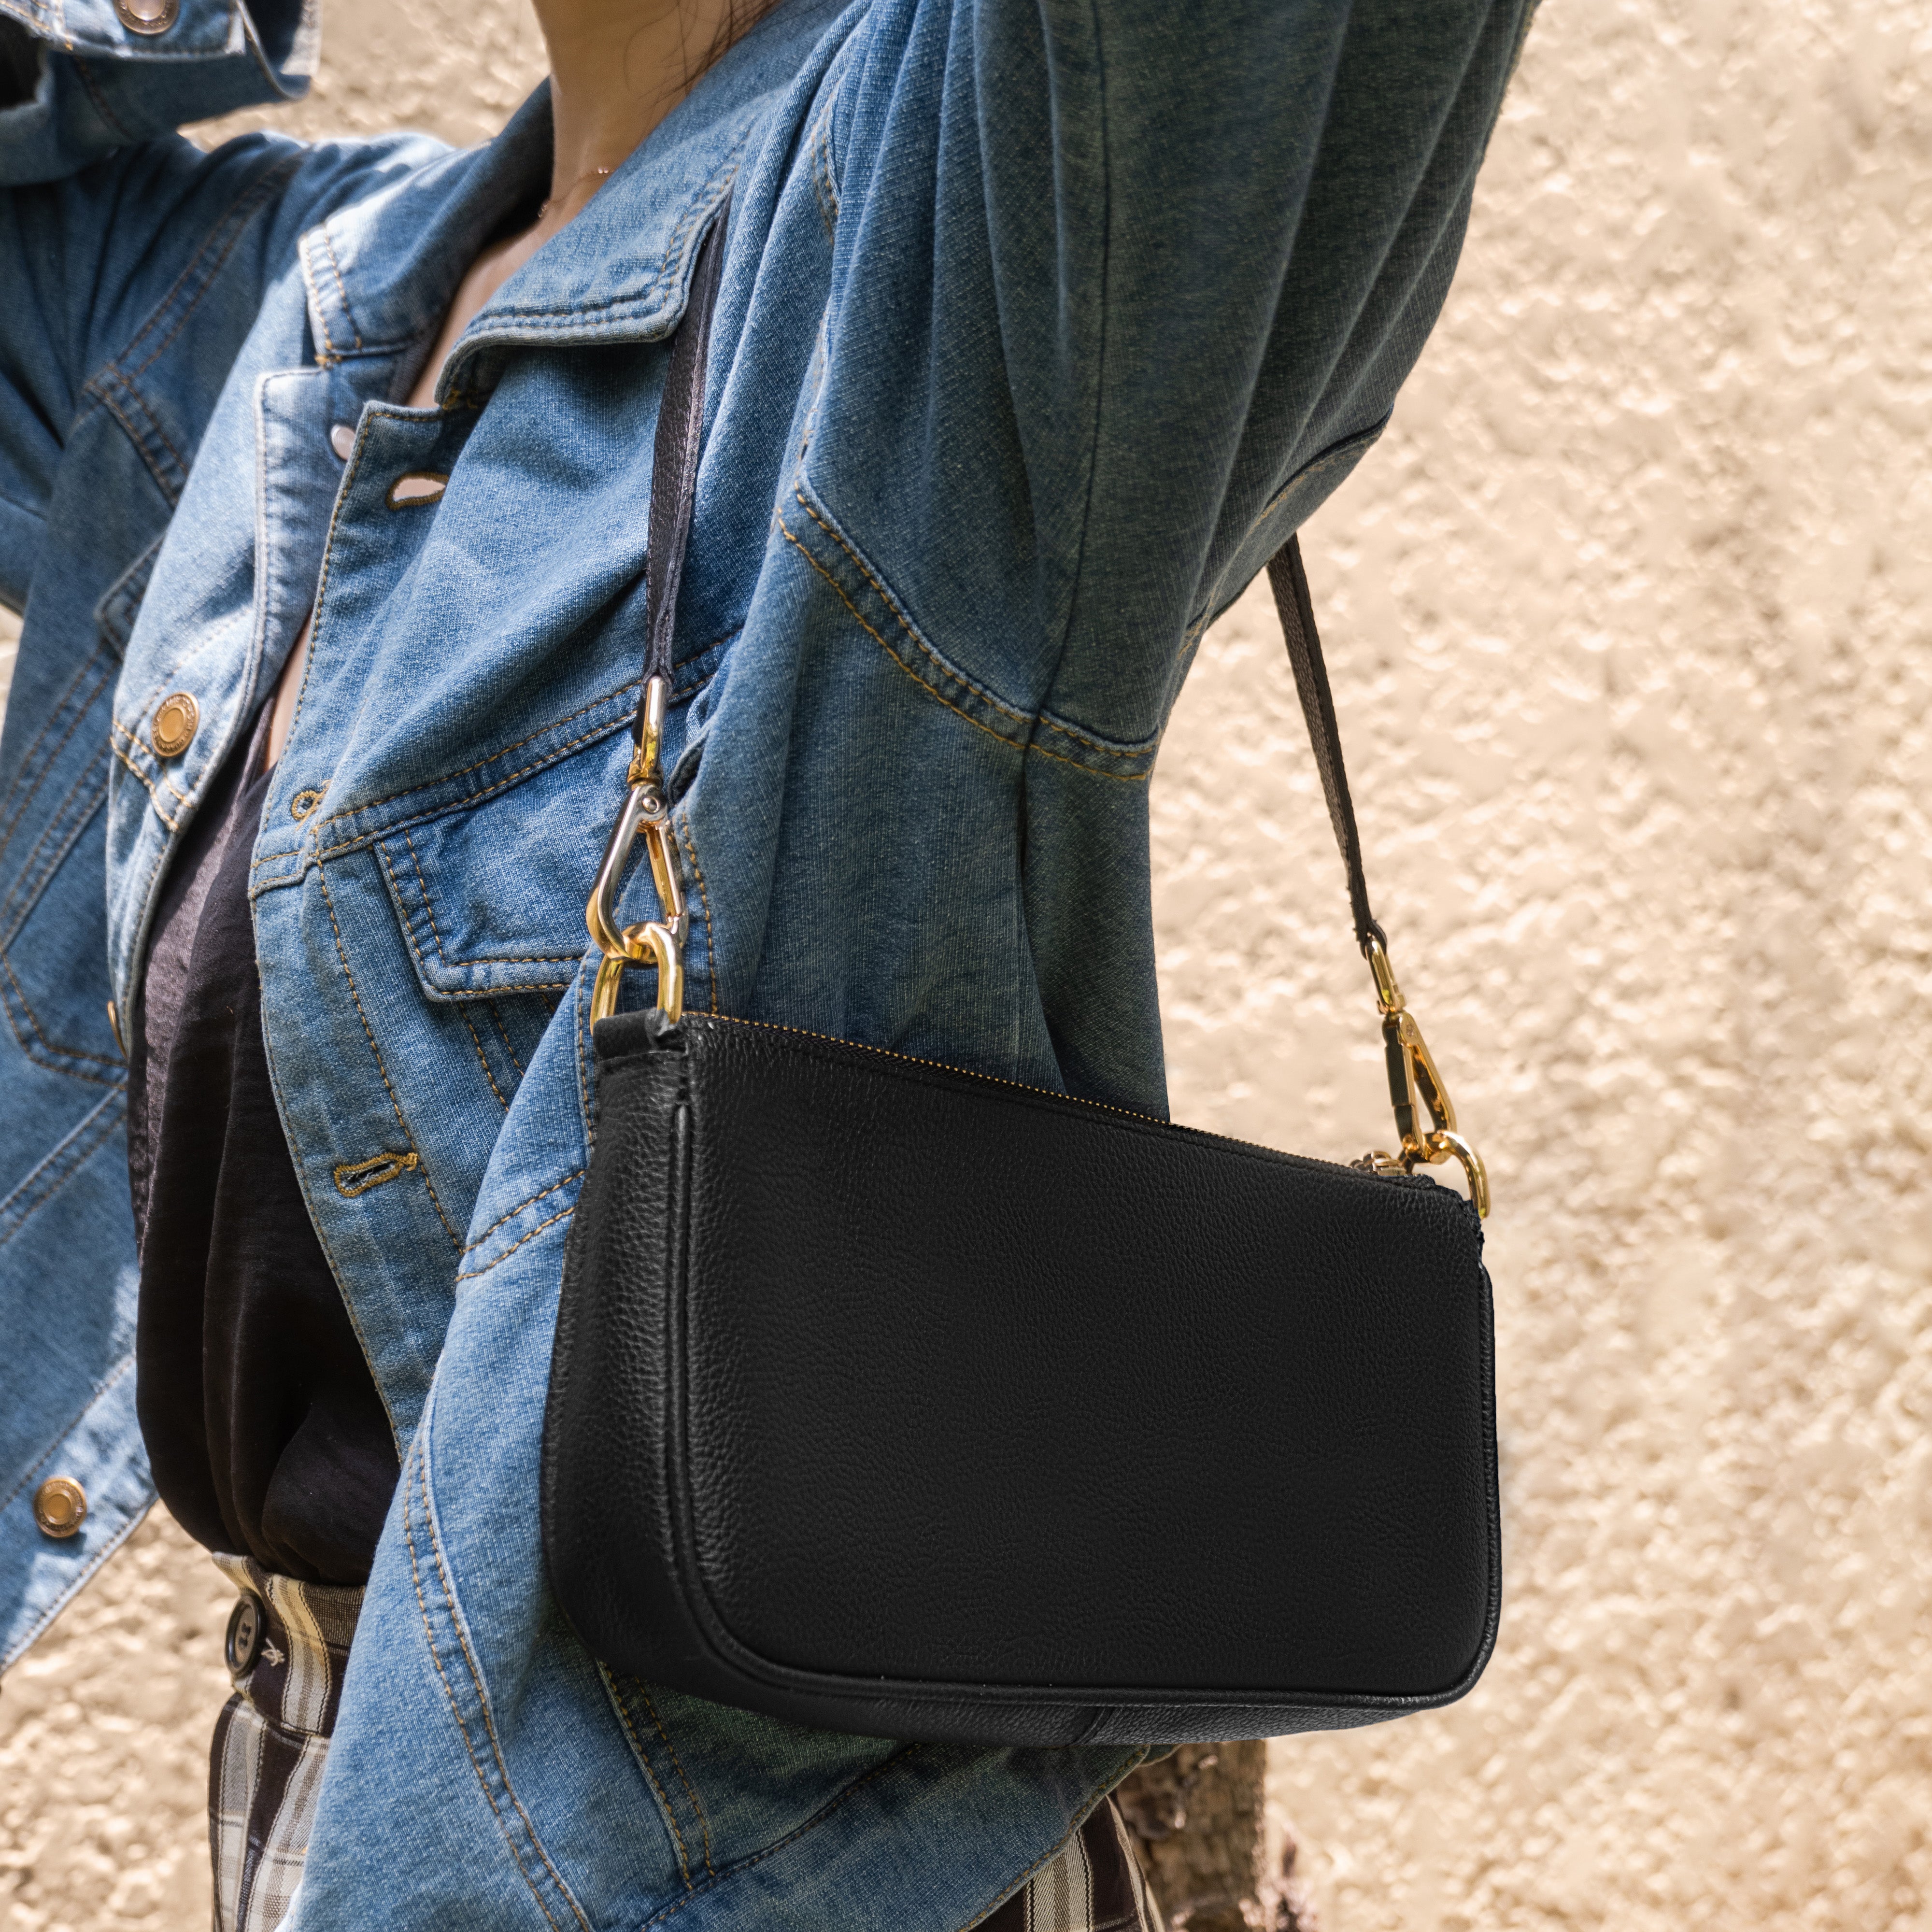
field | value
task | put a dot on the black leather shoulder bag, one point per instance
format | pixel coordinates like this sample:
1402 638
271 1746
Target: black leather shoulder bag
897 1399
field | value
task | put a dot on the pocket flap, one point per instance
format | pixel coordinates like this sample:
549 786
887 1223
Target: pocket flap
492 899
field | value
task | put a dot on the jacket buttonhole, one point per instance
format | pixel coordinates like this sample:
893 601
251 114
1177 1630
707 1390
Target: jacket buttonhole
357 1177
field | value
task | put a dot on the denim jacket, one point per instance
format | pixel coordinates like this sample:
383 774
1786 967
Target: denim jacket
1043 322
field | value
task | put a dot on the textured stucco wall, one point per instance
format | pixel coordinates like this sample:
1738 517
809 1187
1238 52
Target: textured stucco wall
1632 615
1629 617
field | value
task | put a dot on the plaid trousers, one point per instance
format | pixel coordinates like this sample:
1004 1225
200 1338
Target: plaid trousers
1092 1884
272 1741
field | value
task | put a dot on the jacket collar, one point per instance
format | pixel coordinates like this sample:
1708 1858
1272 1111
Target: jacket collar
381 272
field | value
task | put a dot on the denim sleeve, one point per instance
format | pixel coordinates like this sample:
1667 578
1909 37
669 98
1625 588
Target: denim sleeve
129 289
1121 290
80 78
103 207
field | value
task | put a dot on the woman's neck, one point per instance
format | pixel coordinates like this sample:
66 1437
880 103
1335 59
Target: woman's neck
617 67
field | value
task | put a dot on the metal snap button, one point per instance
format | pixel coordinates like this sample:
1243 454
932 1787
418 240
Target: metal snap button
60 1507
148 16
342 440
246 1623
175 720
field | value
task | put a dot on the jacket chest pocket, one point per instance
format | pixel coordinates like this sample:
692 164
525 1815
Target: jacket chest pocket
490 900
490 893
487 907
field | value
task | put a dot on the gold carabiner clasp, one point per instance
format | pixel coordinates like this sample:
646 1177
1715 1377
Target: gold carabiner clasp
660 940
1413 1076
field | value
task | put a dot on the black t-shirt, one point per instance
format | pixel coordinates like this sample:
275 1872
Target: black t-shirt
264 1430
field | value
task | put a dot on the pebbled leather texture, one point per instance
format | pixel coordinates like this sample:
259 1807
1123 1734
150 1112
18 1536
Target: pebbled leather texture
893 1399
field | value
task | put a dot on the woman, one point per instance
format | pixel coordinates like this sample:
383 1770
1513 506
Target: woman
323 474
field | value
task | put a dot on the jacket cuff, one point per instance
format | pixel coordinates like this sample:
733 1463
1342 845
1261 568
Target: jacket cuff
113 72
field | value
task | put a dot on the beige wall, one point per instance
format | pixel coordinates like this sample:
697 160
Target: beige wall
1630 617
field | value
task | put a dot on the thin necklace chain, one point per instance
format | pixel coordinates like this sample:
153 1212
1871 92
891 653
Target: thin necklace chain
567 187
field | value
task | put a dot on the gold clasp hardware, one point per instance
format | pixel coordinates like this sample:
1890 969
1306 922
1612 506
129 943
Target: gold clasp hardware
1412 1074
659 940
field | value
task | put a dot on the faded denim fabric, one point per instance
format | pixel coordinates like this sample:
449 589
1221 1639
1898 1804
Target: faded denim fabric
1043 324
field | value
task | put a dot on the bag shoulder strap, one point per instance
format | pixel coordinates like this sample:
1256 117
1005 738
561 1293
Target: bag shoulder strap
674 460
1290 583
680 432
1413 1078
647 812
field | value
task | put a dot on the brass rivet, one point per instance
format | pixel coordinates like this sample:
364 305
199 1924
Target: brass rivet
60 1507
304 803
175 720
148 16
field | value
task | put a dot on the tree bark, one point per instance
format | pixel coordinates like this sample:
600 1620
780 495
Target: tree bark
1199 1818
